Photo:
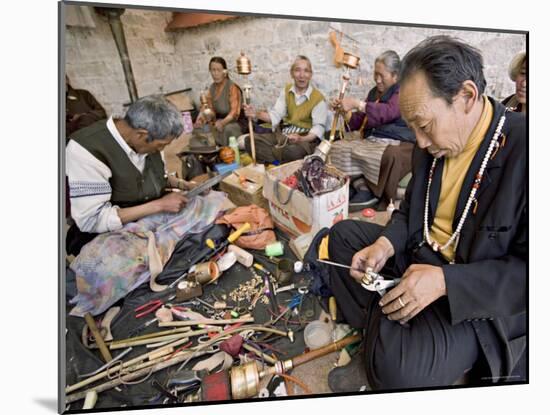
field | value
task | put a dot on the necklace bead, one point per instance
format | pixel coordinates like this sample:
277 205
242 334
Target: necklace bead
475 186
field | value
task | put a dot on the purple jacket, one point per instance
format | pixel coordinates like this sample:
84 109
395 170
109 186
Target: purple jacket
384 118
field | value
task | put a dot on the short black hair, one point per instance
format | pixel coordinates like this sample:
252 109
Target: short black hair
447 62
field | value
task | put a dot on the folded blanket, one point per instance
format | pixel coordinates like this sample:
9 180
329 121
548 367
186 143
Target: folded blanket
115 263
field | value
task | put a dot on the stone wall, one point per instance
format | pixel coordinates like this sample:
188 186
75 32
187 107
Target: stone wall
166 62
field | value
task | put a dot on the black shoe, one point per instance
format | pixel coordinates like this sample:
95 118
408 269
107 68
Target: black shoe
349 378
361 200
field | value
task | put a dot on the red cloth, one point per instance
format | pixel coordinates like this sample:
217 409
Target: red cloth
232 345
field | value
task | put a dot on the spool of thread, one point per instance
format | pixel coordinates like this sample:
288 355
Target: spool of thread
274 249
243 257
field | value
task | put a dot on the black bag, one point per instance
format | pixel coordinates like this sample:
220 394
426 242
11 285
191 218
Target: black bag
319 271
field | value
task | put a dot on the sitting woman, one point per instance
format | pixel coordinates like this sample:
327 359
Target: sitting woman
224 98
382 156
518 74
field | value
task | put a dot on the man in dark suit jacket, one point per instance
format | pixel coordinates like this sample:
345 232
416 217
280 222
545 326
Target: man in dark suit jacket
458 241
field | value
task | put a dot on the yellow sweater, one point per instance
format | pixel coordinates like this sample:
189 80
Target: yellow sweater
454 171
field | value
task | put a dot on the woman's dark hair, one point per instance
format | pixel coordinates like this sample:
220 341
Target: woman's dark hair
447 63
217 59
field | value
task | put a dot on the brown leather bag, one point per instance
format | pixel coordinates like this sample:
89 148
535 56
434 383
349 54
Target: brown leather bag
261 231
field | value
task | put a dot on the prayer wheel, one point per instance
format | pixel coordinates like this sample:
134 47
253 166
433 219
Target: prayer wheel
244 66
350 60
205 108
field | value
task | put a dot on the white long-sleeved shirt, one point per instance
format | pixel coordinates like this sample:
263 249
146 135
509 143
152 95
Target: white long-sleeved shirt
318 114
89 187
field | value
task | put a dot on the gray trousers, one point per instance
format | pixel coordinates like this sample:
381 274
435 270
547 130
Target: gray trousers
231 129
274 146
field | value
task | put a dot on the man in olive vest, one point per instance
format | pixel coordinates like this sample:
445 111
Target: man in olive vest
303 110
116 171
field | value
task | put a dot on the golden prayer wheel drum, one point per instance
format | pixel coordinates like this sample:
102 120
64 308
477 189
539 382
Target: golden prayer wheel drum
350 60
245 381
244 66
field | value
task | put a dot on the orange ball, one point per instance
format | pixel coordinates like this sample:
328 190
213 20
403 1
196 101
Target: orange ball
227 155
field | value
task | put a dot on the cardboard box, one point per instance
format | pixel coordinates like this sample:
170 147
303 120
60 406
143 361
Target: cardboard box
249 190
300 214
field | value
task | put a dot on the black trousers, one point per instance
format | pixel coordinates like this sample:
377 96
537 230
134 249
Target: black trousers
76 239
428 351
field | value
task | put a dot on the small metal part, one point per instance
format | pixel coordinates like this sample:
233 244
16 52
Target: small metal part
210 306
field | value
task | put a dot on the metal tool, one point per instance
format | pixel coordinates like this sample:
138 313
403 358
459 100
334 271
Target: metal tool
372 281
150 307
207 184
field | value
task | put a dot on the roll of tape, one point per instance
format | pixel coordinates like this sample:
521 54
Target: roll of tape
274 249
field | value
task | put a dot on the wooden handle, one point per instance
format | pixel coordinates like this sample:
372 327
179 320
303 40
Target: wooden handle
98 339
306 357
235 235
332 308
252 142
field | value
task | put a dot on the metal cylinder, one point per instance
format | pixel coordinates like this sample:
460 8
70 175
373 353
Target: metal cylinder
245 381
244 67
350 60
206 272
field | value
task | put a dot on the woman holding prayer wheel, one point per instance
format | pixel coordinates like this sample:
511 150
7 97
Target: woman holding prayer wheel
224 98
381 156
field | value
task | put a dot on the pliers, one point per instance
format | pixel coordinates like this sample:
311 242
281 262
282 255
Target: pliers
373 281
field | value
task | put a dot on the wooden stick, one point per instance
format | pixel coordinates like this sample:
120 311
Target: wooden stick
98 339
114 369
142 342
150 336
207 321
314 354
252 141
181 356
178 357
185 334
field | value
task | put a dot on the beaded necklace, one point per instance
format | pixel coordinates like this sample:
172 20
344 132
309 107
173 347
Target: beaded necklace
455 236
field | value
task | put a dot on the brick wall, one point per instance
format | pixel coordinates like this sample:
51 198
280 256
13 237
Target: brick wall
169 61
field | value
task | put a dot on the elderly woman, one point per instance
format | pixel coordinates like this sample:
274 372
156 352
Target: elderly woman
224 98
518 74
382 156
